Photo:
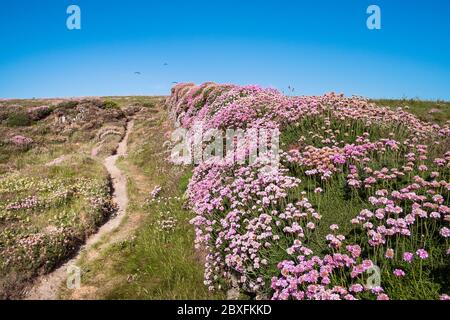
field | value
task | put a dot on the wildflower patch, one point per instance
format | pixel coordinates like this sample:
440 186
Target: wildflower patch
358 207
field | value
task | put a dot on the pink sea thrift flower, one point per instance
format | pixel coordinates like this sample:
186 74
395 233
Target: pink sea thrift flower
240 212
356 288
399 273
389 253
311 226
354 250
377 290
423 168
408 257
383 296
422 254
334 227
20 140
445 232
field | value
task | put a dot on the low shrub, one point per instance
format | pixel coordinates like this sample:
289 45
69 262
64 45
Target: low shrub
18 119
39 113
67 104
109 104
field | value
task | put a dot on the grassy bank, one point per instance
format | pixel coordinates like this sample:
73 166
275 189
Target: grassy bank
152 255
53 193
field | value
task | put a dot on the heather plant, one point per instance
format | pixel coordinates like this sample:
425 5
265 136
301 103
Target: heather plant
39 113
20 141
361 193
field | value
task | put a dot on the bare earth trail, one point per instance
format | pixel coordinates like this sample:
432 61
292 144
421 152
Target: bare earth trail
47 286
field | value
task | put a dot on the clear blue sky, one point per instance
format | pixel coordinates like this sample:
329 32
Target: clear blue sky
314 46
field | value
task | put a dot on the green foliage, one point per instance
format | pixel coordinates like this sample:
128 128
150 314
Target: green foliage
163 262
184 180
149 104
109 104
432 111
44 214
18 119
67 105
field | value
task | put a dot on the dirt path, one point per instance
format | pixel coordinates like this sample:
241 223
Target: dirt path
46 287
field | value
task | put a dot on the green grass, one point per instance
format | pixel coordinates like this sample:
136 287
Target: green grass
431 111
162 264
145 101
151 263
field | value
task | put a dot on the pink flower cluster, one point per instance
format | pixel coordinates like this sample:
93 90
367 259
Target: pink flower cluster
325 161
396 213
27 203
240 106
155 192
19 140
244 214
310 279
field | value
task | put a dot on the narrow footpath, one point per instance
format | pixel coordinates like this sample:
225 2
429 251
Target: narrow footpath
47 286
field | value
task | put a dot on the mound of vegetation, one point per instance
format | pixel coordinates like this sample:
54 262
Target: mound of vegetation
18 119
53 192
45 216
357 209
